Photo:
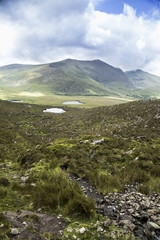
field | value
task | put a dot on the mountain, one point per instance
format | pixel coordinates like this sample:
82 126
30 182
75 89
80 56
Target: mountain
68 77
75 77
141 79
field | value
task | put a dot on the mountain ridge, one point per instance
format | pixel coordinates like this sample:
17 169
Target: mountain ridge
138 76
80 77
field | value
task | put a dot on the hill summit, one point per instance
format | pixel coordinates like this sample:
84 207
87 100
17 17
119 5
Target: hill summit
77 77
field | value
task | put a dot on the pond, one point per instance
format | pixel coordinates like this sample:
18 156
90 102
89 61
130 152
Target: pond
15 101
54 110
72 102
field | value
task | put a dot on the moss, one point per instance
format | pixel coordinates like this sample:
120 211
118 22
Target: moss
31 218
4 227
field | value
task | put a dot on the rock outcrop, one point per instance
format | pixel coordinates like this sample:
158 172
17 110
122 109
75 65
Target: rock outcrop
31 225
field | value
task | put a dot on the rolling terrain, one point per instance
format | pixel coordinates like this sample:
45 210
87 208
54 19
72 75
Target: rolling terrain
110 147
68 77
78 78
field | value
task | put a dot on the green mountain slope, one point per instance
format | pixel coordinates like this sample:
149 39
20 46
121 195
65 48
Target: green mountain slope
70 77
74 77
141 79
145 85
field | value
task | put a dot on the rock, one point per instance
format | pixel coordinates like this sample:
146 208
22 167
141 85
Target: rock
125 222
43 223
69 229
82 230
157 117
153 226
132 227
107 223
99 229
33 184
98 141
15 231
24 178
129 152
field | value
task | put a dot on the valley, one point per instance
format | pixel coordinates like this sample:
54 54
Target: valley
79 152
44 98
108 147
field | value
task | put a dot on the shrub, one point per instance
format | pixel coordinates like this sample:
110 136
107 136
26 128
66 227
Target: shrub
132 174
3 192
156 185
80 205
56 192
4 181
105 182
144 188
27 157
155 171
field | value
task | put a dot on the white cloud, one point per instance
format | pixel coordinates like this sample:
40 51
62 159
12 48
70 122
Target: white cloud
35 31
125 39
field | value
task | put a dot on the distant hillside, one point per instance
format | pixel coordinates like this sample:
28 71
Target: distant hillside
141 79
75 77
68 77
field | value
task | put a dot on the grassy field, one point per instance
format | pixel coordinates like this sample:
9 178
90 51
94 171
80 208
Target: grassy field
36 146
57 100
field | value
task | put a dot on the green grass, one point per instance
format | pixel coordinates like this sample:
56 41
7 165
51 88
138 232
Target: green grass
68 77
36 145
75 78
42 97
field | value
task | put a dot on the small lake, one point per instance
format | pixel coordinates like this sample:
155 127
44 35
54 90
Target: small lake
54 110
15 101
72 102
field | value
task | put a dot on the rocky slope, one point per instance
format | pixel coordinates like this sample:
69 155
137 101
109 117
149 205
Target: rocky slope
130 210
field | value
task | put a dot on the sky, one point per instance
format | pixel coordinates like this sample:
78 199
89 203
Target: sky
125 34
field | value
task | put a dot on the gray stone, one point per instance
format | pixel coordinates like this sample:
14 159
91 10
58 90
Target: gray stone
99 229
125 222
15 231
107 223
98 141
69 229
153 226
82 230
132 227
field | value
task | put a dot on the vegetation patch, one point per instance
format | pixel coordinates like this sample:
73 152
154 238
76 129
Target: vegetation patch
109 146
